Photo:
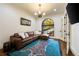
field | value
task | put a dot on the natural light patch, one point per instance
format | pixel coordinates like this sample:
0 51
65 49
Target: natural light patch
48 22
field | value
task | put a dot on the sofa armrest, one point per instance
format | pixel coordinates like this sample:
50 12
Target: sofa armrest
13 39
18 43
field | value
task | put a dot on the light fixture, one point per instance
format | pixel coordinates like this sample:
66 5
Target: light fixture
39 13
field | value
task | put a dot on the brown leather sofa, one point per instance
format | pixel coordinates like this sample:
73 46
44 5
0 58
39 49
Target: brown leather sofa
19 42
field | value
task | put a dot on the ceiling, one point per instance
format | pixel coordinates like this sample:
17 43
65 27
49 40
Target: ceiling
45 7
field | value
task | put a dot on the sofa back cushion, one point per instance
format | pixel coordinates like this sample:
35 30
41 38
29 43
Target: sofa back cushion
31 33
16 35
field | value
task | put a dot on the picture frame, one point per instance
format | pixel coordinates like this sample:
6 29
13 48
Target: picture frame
25 22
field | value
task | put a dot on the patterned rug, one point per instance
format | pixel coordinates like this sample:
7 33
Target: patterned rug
39 47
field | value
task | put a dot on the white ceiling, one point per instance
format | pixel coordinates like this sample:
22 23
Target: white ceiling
46 7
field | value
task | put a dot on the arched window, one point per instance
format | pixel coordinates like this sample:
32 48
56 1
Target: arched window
48 26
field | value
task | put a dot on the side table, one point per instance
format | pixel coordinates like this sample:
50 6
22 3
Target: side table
6 46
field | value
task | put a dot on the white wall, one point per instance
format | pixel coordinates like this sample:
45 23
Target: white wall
74 41
10 22
57 24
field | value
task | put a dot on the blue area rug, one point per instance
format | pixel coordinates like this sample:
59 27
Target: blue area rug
39 47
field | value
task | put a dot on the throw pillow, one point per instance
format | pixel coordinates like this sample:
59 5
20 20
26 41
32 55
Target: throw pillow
26 35
22 35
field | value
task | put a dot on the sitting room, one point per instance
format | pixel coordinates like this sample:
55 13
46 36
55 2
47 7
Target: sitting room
34 29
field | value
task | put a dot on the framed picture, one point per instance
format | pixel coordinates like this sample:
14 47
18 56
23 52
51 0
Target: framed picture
25 22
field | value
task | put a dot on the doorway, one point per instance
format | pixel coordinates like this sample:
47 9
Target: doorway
48 26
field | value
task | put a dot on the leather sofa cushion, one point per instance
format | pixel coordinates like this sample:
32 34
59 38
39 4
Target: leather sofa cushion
28 38
17 35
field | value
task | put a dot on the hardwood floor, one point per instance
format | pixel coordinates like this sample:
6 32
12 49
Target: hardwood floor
63 47
70 53
2 53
